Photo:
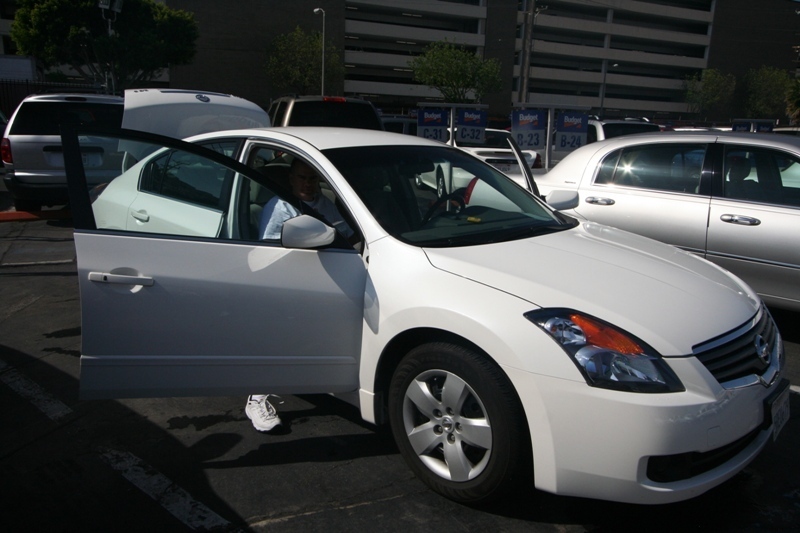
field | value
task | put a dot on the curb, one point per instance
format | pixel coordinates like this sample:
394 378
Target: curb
24 216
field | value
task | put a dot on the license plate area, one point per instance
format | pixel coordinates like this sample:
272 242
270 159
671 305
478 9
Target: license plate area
776 409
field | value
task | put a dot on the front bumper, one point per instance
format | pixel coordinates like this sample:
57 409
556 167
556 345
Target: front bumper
644 448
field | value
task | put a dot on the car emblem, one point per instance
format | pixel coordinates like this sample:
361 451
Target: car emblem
762 349
203 98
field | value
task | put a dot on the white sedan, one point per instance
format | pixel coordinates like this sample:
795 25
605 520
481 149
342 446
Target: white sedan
733 198
500 344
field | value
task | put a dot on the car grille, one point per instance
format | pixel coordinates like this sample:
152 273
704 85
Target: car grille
670 468
739 357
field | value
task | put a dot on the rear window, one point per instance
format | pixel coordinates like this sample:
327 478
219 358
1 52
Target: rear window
615 130
44 118
339 114
494 139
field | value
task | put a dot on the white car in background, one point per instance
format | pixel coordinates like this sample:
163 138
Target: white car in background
502 341
498 150
733 198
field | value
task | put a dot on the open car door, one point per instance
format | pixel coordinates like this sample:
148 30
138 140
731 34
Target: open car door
179 298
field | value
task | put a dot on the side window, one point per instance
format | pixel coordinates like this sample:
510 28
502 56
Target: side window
228 147
659 167
291 186
188 178
171 191
607 167
762 175
591 134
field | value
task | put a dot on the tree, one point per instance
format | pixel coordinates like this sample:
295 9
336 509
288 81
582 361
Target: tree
455 72
141 40
793 101
294 63
710 93
765 92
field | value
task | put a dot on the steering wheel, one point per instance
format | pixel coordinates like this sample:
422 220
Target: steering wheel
438 203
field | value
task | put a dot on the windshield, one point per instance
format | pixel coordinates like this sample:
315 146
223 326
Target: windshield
442 196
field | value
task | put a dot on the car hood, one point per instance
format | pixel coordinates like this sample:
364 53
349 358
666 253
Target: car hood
667 297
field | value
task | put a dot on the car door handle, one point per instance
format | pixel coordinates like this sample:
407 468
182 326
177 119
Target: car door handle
740 219
106 277
599 201
141 216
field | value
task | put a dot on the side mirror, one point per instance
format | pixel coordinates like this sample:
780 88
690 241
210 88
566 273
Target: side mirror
561 199
306 232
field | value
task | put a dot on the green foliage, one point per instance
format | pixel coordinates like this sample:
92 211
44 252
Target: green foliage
711 93
793 101
455 72
294 63
147 37
766 90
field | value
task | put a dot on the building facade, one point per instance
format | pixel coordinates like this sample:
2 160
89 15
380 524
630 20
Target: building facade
618 58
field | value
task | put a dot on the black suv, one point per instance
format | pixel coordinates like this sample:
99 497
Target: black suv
324 111
31 147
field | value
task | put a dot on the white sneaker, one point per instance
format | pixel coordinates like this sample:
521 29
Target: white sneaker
262 413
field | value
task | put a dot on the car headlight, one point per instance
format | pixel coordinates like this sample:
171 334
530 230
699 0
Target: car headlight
607 356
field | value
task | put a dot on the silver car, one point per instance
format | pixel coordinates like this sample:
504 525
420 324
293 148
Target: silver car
733 198
31 147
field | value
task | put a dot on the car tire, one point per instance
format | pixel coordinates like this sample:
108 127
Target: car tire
458 423
418 182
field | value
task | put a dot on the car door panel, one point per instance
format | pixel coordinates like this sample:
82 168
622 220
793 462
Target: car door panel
678 219
770 263
211 318
650 189
167 313
150 213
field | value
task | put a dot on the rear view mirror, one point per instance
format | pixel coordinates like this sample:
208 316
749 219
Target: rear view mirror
306 232
561 199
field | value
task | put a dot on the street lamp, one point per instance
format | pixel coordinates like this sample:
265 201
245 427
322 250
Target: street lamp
603 85
317 11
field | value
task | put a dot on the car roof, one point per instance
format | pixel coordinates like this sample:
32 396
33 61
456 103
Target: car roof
763 139
576 161
324 138
75 97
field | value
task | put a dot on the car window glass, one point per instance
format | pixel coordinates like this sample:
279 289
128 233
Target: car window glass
591 134
45 118
761 175
671 167
227 147
166 191
627 128
186 177
334 113
275 200
441 196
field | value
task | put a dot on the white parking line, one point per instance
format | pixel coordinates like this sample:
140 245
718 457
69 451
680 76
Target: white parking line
795 389
174 499
29 390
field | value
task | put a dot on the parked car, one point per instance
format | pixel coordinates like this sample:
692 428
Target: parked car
600 130
729 197
399 124
787 130
343 112
499 343
31 146
498 150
